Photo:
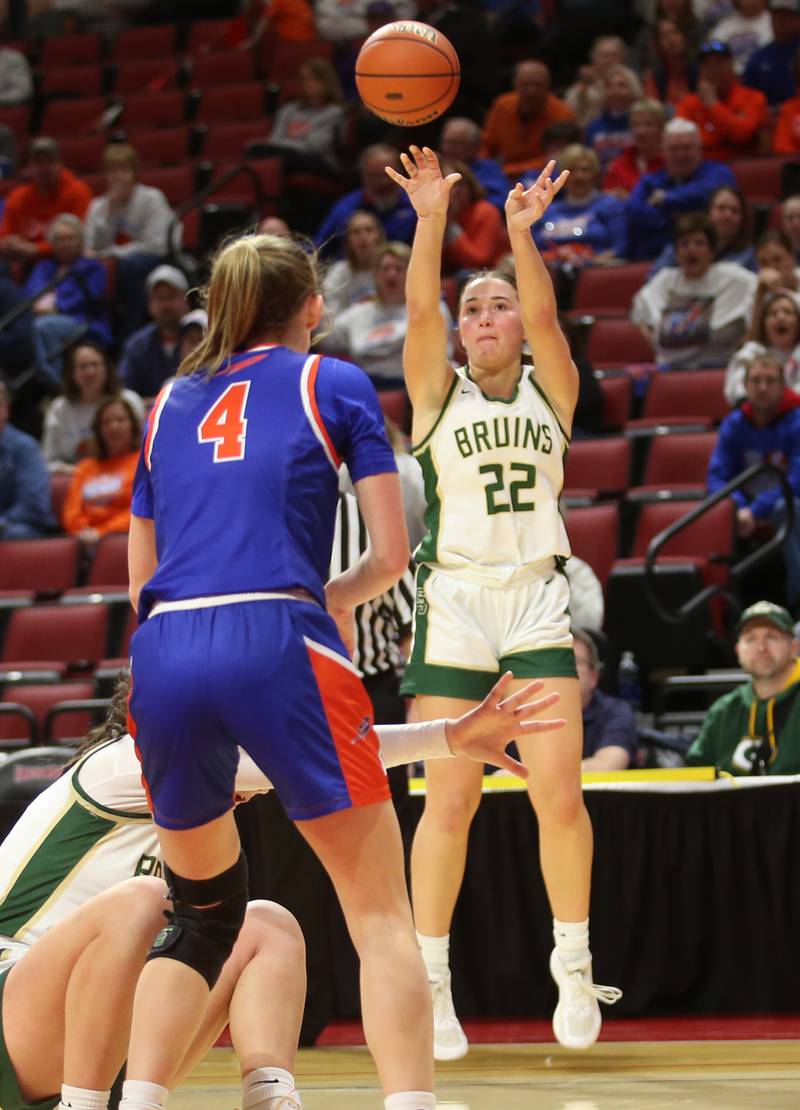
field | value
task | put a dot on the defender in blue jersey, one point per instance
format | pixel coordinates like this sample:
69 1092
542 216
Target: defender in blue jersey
241 645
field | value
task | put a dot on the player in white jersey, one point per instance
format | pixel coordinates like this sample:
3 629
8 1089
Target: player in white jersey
84 939
491 438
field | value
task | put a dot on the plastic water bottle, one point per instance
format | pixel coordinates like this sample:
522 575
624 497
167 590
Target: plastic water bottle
629 685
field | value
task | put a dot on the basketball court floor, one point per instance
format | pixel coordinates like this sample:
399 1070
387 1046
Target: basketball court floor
644 1075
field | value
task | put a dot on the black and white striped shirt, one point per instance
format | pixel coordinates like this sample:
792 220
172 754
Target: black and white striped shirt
383 622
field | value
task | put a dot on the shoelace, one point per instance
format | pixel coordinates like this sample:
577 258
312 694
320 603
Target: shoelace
608 995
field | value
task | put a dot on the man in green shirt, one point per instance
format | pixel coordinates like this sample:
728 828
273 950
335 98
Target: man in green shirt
755 729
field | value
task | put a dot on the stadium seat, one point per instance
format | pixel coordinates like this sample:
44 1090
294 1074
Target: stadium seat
146 75
207 35
681 397
617 342
17 727
46 566
616 388
608 290
163 109
40 698
59 484
71 50
84 153
17 118
67 118
230 67
144 42
259 192
110 563
234 102
177 183
594 536
25 774
69 719
395 406
286 62
677 467
228 141
597 467
759 178
72 81
54 637
162 146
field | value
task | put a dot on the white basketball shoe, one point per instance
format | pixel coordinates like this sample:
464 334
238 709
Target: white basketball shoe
449 1040
577 1020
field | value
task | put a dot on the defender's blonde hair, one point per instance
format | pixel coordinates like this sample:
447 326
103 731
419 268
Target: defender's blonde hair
258 284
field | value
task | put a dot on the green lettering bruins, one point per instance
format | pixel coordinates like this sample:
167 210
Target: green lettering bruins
503 432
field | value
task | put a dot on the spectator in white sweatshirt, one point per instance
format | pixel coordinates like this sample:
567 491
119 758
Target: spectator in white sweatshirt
131 223
16 78
306 131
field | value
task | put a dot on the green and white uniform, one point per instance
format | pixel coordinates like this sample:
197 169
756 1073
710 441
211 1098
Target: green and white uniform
490 593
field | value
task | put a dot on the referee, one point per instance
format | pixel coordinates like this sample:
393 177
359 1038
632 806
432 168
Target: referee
381 626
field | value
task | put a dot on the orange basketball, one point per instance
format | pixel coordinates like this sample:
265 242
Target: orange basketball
407 73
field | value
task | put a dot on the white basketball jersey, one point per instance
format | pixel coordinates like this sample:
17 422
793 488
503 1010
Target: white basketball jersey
493 472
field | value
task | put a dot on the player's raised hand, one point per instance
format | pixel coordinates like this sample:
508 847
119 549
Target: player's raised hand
425 187
485 732
525 206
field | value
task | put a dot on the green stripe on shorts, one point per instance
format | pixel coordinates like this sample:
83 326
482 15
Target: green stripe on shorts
447 682
554 662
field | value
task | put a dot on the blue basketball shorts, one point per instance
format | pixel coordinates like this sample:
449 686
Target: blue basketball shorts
271 676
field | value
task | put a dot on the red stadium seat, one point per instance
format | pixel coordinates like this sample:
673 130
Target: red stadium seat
146 75
594 536
17 727
73 81
712 535
681 396
144 42
597 466
395 406
234 102
17 118
287 60
110 563
40 698
228 141
229 67
759 178
59 484
616 342
66 118
608 290
242 189
163 109
162 146
64 635
208 34
677 465
616 388
71 50
44 566
177 183
83 154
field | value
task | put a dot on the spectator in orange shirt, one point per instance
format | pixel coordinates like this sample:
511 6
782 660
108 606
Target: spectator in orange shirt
786 139
99 497
52 191
288 20
516 120
728 114
475 238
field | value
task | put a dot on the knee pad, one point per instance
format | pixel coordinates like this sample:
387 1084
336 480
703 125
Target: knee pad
203 938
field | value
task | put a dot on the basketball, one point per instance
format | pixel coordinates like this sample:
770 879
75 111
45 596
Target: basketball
407 73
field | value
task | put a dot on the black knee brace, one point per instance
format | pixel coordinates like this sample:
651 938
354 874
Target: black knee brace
203 938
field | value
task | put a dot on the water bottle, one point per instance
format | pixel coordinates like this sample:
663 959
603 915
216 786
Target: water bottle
629 686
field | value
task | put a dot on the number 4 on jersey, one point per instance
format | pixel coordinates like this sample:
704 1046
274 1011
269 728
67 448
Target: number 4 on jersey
224 424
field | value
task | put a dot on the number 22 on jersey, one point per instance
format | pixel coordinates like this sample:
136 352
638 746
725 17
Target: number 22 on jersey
224 424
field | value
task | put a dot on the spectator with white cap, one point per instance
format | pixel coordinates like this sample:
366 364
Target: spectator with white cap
152 354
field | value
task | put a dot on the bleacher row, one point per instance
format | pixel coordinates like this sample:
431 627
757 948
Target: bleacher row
64 636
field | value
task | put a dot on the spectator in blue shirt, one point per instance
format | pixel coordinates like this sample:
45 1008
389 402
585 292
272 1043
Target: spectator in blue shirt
609 725
16 338
25 507
460 141
152 354
76 306
771 67
765 428
582 224
684 185
610 133
378 194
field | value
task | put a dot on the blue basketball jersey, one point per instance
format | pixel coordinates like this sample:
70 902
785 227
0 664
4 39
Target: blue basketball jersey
240 472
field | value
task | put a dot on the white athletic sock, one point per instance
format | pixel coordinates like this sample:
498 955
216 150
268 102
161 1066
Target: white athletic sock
411 1100
137 1094
78 1098
435 954
263 1088
572 940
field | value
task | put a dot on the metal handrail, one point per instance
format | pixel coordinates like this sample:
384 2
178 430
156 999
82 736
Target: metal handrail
198 198
678 616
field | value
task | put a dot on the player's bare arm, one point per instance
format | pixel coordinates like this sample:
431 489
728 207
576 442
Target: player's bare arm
427 372
555 370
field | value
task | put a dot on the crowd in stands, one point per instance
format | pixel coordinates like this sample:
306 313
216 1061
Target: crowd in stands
679 121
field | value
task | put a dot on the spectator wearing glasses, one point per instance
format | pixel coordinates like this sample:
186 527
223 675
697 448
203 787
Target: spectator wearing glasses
609 726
